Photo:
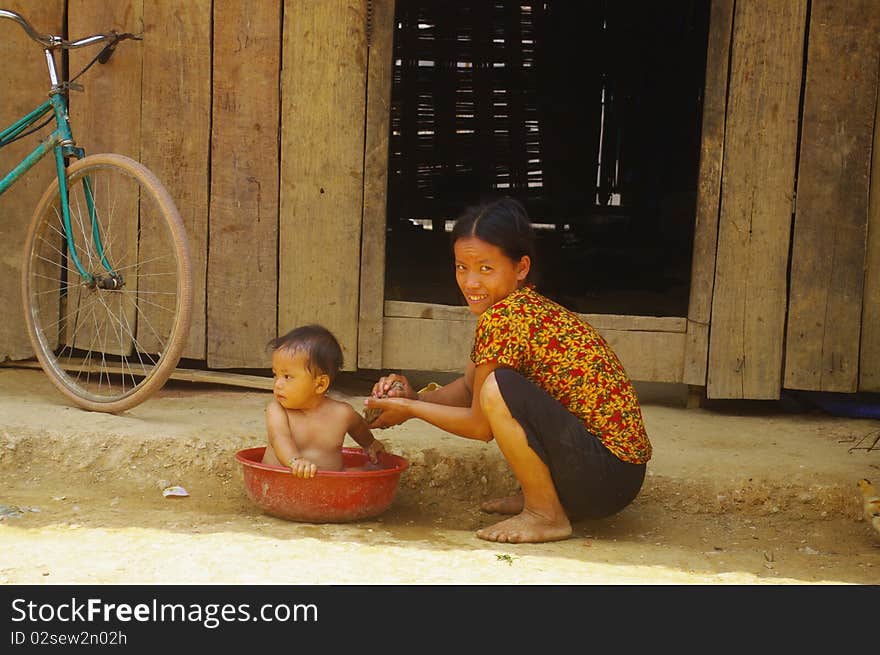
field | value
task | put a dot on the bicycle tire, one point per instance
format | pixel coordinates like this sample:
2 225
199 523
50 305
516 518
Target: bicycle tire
108 350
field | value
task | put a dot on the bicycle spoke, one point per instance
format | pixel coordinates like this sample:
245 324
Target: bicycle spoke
108 348
143 262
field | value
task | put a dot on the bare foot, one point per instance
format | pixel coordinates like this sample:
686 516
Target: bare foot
508 505
527 527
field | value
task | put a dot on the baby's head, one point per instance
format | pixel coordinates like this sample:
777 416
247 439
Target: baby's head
309 350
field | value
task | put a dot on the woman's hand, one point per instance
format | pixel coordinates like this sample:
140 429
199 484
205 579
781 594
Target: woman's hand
389 386
393 411
393 386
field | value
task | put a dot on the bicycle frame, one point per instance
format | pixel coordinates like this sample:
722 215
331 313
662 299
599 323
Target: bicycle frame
61 142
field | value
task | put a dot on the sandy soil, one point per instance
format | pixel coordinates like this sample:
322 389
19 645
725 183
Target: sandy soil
736 494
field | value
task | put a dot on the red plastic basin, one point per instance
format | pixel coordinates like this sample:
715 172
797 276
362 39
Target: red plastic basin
330 496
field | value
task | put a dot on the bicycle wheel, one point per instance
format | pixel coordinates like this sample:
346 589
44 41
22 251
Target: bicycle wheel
110 342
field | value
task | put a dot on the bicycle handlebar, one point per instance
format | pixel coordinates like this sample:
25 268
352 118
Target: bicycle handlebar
52 41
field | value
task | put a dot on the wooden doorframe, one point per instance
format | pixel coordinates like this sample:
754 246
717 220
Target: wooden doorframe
708 193
393 334
380 67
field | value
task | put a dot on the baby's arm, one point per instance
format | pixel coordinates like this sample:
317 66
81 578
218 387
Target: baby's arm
283 444
360 432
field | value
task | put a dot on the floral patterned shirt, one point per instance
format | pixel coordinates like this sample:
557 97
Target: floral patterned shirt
564 355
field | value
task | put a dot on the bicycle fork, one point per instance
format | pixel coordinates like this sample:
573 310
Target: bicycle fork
112 280
64 146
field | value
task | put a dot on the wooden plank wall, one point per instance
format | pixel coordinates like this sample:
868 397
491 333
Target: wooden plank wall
828 253
215 138
25 83
272 136
323 82
176 132
242 261
749 300
179 141
106 116
119 111
869 355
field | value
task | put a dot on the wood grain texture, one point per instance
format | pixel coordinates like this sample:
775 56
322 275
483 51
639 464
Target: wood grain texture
372 290
223 378
242 262
750 294
445 345
404 309
176 126
708 192
24 80
106 117
869 354
323 80
828 250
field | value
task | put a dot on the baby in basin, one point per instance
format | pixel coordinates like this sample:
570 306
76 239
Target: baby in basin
305 427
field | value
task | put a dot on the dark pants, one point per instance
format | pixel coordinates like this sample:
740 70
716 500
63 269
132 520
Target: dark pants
591 481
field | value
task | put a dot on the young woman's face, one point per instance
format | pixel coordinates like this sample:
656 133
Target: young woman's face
295 387
485 274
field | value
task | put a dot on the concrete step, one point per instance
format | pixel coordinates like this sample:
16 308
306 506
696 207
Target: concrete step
744 458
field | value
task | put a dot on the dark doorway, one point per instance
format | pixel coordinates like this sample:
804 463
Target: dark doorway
588 112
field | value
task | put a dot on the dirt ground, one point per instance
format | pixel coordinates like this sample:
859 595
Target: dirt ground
738 493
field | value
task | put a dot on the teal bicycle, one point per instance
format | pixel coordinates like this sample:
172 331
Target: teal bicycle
106 278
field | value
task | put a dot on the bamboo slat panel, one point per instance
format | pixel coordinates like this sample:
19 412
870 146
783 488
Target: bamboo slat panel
749 301
828 251
242 262
466 102
25 81
323 81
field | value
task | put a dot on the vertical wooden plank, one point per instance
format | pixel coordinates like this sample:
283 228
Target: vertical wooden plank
372 291
708 192
24 79
869 354
749 301
242 261
323 80
828 250
106 117
176 124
